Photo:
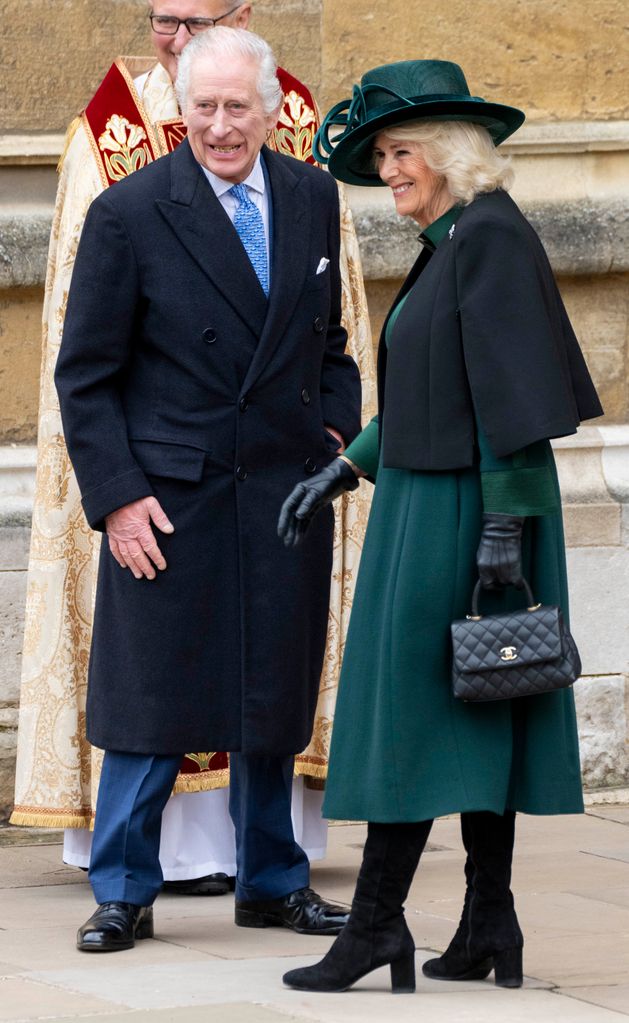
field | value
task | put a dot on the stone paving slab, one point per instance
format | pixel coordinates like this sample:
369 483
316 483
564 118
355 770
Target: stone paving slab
37 866
50 948
161 986
614 896
221 985
620 814
569 960
238 1012
225 941
572 892
614 996
26 998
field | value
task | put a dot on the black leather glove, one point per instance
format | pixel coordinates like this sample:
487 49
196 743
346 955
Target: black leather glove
308 497
499 555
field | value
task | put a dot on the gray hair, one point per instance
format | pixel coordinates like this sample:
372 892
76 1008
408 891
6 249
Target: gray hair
461 152
222 44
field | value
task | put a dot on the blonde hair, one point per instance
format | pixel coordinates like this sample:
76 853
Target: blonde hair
459 151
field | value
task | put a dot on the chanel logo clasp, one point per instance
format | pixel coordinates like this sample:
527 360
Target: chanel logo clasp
508 653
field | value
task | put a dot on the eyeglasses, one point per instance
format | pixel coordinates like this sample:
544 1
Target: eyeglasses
167 25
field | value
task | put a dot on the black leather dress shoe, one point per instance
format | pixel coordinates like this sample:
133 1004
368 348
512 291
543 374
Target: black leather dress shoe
303 911
211 884
115 926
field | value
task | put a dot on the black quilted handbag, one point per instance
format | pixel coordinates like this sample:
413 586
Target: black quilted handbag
520 653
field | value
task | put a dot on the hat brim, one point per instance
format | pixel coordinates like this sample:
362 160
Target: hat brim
351 160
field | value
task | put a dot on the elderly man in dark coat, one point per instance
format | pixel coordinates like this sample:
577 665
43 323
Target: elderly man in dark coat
202 373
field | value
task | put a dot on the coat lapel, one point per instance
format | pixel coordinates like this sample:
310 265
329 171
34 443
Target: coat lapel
290 247
200 223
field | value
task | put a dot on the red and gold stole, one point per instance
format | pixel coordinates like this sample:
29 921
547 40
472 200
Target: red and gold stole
124 139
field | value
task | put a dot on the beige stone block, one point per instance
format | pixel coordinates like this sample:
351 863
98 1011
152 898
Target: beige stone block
555 60
603 732
12 591
608 368
599 597
566 174
380 296
14 547
12 597
46 81
20 355
592 525
293 28
598 308
63 54
7 775
579 468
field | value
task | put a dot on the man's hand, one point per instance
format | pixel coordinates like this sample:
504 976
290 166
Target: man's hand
337 437
131 539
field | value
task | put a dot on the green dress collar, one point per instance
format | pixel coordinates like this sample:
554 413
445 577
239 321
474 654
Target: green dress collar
435 232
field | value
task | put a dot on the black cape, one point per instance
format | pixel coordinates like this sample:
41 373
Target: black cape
484 336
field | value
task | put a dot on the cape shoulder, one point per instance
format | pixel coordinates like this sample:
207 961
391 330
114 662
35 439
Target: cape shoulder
493 218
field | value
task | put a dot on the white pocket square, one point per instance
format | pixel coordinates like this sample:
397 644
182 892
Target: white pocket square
322 265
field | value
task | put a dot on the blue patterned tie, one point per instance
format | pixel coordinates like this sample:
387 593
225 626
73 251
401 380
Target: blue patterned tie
250 227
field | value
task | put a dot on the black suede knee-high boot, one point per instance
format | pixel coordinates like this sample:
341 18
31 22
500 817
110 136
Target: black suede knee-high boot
376 933
488 936
456 952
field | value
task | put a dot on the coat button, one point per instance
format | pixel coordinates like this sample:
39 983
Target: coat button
209 335
241 472
317 325
243 404
305 396
310 465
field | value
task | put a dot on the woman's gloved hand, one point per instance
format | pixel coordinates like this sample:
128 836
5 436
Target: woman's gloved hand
499 555
308 497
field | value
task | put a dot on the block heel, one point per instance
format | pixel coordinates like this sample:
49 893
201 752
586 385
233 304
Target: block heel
508 967
248 918
145 928
403 975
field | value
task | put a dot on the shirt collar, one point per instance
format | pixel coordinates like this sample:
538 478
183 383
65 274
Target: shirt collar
255 180
435 232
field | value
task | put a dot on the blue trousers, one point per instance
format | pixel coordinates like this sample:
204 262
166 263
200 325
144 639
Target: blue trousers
134 789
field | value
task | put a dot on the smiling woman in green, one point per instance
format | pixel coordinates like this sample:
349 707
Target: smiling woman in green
478 368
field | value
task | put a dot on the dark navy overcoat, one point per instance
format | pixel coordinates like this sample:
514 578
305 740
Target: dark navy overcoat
178 378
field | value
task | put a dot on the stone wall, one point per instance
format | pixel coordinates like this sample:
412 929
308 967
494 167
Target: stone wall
13 561
558 59
66 46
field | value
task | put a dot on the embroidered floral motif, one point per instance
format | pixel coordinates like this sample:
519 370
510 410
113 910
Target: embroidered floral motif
296 127
127 144
202 759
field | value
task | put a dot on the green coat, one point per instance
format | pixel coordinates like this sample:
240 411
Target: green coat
403 749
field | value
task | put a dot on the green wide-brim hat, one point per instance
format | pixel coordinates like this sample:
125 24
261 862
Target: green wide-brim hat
409 90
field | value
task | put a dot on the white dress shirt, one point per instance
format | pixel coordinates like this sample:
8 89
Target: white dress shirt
257 192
